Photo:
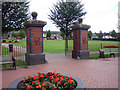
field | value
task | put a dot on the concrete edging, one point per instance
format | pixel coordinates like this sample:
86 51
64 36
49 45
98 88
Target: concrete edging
80 83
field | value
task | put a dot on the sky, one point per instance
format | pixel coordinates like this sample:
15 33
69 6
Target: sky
101 14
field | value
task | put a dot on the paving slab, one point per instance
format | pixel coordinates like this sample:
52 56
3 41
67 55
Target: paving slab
101 73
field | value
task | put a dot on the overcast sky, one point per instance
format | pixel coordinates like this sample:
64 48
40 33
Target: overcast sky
101 14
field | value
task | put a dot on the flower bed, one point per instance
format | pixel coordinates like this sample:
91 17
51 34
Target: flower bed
49 81
16 41
110 46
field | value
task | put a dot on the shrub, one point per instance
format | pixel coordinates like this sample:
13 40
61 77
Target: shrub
15 35
4 41
22 34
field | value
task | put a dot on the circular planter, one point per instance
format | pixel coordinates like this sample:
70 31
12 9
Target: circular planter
80 83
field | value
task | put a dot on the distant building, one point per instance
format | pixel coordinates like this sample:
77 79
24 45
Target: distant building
54 34
95 35
107 35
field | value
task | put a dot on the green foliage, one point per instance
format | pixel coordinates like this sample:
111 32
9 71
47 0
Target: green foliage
62 33
22 34
90 34
48 34
19 63
14 14
100 35
113 34
15 35
64 14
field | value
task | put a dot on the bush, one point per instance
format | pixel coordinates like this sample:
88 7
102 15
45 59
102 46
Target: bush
4 41
15 35
104 39
22 34
15 41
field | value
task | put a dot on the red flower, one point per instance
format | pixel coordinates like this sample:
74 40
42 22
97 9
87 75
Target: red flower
38 86
60 81
70 77
56 80
47 82
43 84
50 73
33 82
45 75
37 76
51 77
34 78
38 72
28 87
61 76
24 80
56 77
41 75
57 73
38 83
30 77
64 83
71 81
53 73
54 89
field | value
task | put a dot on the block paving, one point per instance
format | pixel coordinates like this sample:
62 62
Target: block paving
100 73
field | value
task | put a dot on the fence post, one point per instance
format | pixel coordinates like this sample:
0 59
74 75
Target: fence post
101 45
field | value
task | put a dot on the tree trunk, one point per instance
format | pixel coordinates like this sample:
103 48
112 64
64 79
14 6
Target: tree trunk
66 46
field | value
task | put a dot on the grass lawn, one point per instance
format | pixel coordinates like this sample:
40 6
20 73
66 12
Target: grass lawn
96 55
58 46
19 63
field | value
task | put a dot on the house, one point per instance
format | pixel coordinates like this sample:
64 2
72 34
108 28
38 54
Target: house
54 34
106 35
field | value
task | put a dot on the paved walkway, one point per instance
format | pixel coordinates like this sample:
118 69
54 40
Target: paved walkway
101 73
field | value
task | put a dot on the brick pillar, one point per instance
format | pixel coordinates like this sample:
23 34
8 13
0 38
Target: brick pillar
34 29
80 40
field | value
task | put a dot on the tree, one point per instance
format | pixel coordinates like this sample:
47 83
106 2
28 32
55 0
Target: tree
100 35
90 34
14 14
48 34
15 35
22 34
113 34
64 14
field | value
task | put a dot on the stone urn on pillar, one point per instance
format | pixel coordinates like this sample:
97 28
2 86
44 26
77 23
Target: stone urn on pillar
80 40
34 29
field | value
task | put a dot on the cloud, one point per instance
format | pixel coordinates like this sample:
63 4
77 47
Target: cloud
101 14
